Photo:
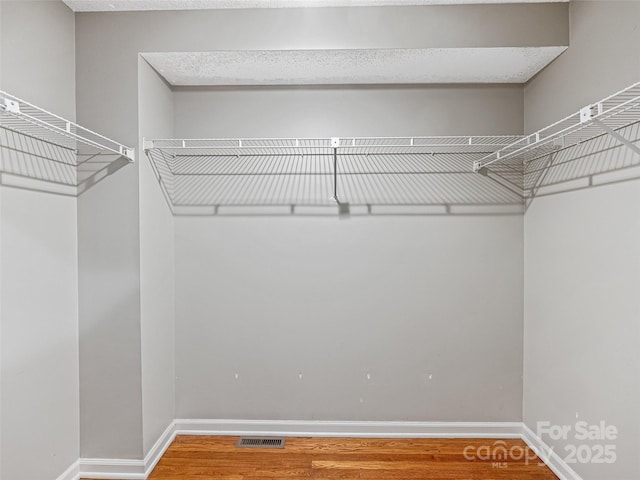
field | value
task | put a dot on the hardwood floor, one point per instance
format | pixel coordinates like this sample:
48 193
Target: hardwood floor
217 458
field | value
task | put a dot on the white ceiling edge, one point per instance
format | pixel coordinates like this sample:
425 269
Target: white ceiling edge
352 67
134 5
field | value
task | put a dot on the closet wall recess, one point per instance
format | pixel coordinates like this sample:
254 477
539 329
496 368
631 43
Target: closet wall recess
45 152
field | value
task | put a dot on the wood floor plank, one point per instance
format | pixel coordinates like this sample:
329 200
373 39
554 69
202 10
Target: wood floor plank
217 458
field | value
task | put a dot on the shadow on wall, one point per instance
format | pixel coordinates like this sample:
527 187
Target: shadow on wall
31 163
305 184
602 160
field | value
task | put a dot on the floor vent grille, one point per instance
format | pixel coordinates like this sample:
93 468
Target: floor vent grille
260 442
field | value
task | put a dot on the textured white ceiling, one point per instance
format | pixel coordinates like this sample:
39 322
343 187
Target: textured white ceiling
340 67
115 5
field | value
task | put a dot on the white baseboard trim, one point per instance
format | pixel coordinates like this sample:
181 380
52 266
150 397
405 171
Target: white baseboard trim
114 469
71 473
557 465
156 452
121 469
301 428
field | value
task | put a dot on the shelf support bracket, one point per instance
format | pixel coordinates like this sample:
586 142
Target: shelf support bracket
635 148
335 143
533 191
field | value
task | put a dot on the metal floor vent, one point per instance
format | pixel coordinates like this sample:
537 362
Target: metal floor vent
260 442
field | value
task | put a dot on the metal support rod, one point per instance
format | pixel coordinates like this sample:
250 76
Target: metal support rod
335 174
538 184
503 182
616 135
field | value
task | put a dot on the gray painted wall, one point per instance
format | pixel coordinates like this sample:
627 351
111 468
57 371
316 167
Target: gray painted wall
109 254
45 77
581 319
38 255
40 425
333 300
157 310
344 111
581 257
109 306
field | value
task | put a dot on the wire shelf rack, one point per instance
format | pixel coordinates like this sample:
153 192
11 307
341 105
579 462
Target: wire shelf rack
325 146
598 161
606 117
43 151
209 176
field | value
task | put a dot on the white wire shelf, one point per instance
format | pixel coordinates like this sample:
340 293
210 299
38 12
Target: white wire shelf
325 146
211 174
43 151
610 116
